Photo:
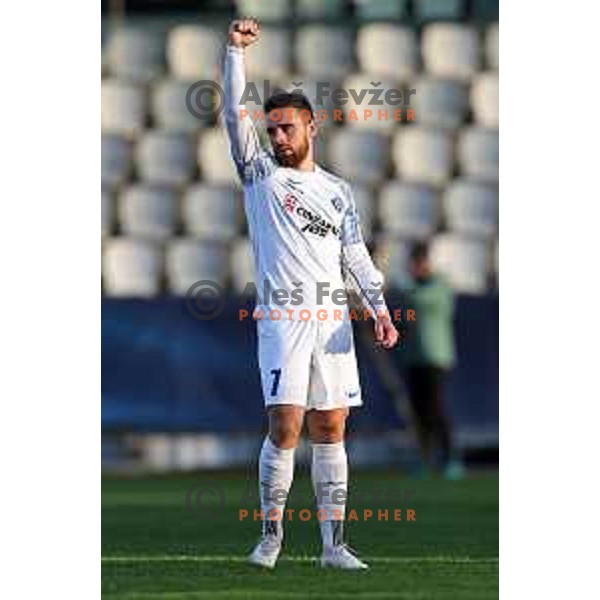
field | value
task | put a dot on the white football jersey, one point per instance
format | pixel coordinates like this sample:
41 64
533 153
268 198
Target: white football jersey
300 222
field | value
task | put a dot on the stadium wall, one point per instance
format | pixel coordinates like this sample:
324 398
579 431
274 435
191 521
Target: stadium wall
165 371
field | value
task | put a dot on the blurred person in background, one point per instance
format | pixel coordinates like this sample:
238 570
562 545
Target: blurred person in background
428 356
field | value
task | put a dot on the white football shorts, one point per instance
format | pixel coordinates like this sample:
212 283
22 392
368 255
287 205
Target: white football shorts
308 363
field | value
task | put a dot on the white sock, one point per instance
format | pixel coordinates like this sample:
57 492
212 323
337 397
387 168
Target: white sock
329 474
275 472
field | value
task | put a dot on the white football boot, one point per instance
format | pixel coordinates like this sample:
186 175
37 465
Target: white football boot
340 556
267 551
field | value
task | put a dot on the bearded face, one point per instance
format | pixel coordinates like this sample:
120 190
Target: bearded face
292 155
290 137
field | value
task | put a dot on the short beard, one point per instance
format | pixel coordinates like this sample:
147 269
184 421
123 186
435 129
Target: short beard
292 161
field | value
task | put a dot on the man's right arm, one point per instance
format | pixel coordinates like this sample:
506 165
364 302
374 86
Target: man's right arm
243 137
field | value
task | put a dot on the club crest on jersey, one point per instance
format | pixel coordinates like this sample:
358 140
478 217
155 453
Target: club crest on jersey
337 203
289 203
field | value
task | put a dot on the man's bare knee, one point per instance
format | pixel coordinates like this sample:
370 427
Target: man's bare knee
285 426
328 433
327 427
284 435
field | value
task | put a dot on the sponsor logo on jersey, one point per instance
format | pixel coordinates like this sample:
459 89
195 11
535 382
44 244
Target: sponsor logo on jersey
337 203
315 224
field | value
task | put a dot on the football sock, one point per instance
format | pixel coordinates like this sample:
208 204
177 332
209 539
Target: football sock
275 472
330 474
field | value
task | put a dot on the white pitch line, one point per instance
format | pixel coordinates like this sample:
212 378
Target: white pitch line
243 593
299 559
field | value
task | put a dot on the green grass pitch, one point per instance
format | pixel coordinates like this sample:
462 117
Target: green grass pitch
157 543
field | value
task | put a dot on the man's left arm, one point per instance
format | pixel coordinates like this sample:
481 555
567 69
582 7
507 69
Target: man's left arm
357 263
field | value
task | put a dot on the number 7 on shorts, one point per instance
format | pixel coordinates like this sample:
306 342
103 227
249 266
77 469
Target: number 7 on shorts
276 377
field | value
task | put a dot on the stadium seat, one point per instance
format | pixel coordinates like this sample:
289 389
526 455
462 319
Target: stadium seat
438 10
388 50
169 108
107 213
211 212
366 205
214 158
320 9
478 153
123 107
190 260
323 52
271 58
193 52
382 117
450 50
471 208
408 211
485 99
135 54
116 160
380 10
440 102
463 262
131 268
492 47
391 258
272 11
423 155
242 265
147 212
360 156
165 158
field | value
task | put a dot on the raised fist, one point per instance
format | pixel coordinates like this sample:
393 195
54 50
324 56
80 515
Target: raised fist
243 32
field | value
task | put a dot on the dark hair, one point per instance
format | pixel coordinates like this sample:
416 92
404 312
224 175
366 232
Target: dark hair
285 99
420 251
